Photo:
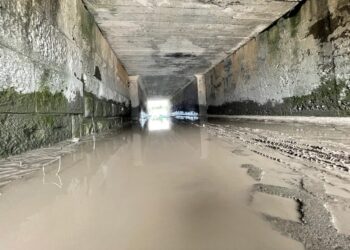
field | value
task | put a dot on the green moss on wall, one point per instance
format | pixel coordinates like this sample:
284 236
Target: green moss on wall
42 101
98 125
87 24
330 97
273 40
294 24
89 104
12 101
101 107
33 120
47 102
48 121
21 132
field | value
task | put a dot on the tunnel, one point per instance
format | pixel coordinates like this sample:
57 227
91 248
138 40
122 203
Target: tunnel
174 124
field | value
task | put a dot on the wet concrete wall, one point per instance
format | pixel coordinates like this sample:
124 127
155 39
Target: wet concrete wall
298 66
59 77
138 96
142 97
186 99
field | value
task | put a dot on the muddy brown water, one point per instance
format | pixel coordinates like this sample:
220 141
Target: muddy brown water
176 188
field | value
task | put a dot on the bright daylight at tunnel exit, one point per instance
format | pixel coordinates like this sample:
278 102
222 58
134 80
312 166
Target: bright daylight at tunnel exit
175 124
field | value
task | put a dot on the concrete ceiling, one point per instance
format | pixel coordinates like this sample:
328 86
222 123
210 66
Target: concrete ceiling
161 39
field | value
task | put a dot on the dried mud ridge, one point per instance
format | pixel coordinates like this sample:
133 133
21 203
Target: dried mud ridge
315 229
254 172
313 153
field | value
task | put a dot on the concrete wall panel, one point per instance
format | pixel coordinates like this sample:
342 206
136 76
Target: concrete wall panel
299 66
55 63
186 99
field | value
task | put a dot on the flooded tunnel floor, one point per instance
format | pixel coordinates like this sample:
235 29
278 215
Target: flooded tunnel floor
221 185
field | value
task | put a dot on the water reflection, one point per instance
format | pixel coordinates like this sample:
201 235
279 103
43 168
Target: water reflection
188 118
57 181
204 143
137 148
181 115
158 124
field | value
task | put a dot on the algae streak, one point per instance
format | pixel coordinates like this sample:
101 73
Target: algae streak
331 98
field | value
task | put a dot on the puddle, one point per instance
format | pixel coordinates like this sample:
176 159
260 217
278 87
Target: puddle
170 190
276 206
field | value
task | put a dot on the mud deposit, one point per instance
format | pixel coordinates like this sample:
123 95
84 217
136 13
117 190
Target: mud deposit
313 170
224 185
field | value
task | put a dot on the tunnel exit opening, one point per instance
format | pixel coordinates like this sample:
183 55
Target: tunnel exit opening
158 108
159 114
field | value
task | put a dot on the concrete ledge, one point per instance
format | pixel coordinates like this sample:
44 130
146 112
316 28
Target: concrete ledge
21 132
98 125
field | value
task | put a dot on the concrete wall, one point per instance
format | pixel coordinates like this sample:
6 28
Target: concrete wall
186 99
59 77
142 96
138 96
299 66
